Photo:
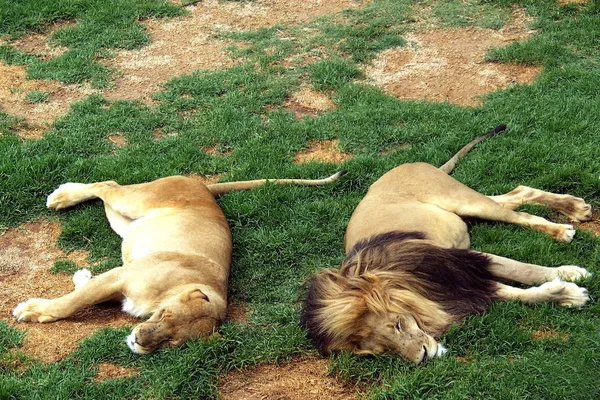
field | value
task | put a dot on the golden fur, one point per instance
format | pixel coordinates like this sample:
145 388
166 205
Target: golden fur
176 254
409 274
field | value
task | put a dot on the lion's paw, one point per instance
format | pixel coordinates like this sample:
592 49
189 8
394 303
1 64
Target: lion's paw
572 273
81 277
34 310
566 294
64 197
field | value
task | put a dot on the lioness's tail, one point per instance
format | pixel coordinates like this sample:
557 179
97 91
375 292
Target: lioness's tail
218 189
451 163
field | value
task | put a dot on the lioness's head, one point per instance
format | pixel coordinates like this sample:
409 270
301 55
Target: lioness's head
367 315
185 316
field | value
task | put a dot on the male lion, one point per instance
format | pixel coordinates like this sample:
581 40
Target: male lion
176 254
409 274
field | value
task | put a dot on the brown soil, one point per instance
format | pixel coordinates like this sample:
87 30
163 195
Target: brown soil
237 312
183 45
326 151
447 64
37 116
112 371
300 379
307 102
26 255
544 334
592 226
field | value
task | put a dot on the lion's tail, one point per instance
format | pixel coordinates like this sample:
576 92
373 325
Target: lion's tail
218 189
451 163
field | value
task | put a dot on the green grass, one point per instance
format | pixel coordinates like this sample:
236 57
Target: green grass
283 234
37 96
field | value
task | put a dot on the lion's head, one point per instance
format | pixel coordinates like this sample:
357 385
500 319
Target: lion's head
188 315
395 293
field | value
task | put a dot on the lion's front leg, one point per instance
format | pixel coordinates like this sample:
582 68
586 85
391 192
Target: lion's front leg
531 274
102 288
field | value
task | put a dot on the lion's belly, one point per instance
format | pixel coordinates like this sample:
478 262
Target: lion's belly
374 216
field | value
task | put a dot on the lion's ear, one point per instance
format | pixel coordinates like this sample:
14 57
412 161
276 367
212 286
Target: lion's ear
194 294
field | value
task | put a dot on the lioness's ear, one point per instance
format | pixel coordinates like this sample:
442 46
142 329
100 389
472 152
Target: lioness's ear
194 294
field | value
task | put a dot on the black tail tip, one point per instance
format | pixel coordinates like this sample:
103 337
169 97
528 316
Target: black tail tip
342 173
498 129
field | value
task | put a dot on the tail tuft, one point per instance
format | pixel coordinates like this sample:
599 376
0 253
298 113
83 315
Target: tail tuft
498 129
451 163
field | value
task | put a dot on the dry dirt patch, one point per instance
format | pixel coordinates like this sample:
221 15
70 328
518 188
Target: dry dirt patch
592 226
307 102
300 379
325 151
113 371
545 334
183 45
13 99
27 254
447 64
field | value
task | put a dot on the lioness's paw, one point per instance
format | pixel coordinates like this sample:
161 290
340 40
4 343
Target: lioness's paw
572 273
566 234
64 197
578 210
34 310
81 277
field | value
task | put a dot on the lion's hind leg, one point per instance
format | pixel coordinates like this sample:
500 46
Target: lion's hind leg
566 294
573 207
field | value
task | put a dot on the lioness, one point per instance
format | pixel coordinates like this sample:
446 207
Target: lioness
176 254
409 274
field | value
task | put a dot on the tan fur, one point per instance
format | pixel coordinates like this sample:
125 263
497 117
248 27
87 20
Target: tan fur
176 254
369 306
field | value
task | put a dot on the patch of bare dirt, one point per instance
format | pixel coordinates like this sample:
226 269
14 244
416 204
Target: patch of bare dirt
183 45
215 150
307 102
37 116
545 334
592 225
38 43
325 151
27 254
300 379
113 371
236 312
117 139
447 64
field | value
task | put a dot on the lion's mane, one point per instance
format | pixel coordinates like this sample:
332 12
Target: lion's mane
395 272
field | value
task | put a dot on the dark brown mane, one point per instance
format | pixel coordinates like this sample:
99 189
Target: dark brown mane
453 282
457 279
